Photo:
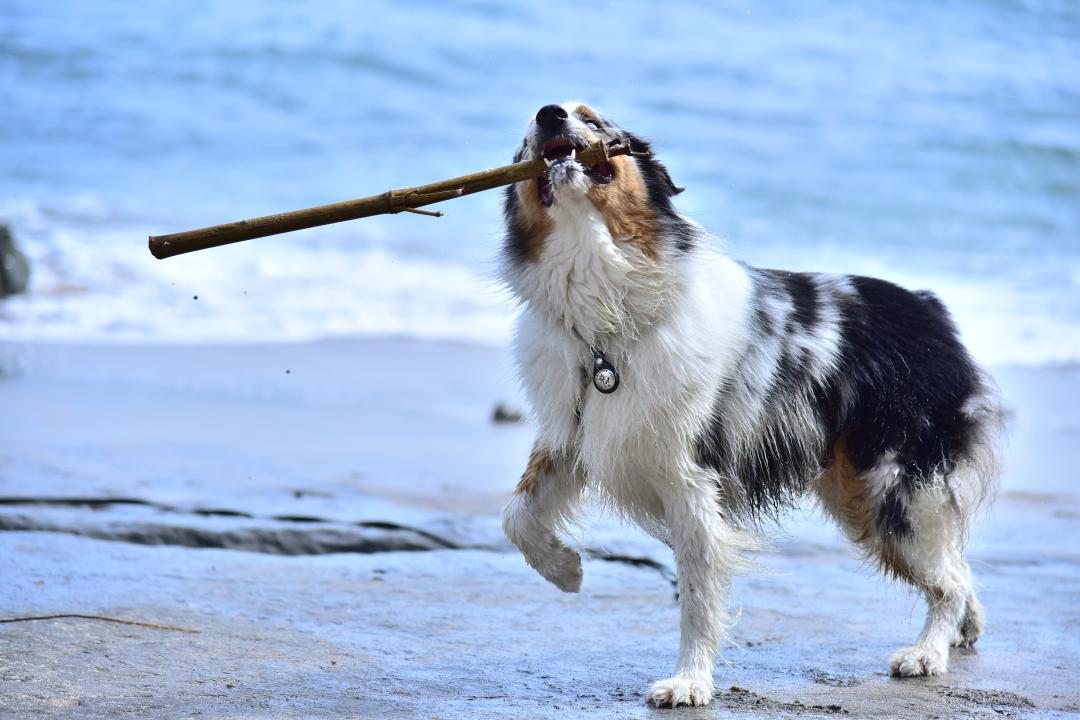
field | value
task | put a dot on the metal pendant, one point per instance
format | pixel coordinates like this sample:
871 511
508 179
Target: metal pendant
604 377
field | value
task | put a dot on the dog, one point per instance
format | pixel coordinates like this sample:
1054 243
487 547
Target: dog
699 397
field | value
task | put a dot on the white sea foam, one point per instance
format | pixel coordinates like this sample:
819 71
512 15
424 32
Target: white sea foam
108 289
103 285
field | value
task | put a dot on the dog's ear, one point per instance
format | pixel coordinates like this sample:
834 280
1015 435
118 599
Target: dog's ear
653 167
675 189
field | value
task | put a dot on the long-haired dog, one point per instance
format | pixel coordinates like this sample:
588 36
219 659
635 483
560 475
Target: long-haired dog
697 396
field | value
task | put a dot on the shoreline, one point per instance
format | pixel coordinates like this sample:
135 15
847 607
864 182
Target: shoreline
280 486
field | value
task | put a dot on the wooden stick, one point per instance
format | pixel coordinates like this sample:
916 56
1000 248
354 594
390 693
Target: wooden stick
390 202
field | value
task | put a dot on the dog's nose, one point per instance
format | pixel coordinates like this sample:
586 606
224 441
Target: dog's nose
551 117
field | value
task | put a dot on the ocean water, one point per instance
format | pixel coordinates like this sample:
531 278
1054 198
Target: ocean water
934 144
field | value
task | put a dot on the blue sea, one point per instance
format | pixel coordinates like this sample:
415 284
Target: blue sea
934 144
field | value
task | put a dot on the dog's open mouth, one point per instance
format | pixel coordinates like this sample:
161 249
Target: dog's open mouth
561 150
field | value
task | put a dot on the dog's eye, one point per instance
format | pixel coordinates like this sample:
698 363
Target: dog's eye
591 125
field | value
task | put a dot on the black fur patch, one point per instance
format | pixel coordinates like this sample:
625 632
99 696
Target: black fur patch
804 297
900 383
907 379
904 378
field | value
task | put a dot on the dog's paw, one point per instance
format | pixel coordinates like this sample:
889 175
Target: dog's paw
919 661
680 690
562 568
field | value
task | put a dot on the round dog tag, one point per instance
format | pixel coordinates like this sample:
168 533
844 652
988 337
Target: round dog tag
604 377
605 380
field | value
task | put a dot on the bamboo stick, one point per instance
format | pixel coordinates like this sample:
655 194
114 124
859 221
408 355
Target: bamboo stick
390 202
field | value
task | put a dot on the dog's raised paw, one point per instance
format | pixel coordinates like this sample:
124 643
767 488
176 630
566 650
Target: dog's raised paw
562 568
680 690
918 661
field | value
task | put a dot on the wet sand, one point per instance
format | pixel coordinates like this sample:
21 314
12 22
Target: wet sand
325 515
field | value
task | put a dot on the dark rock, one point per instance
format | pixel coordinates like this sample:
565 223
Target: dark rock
506 414
14 267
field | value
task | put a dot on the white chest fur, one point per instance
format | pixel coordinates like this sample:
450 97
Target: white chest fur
587 280
672 350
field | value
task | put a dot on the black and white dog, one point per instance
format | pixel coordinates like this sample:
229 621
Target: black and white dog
697 396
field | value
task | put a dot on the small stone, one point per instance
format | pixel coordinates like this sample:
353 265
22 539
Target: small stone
506 414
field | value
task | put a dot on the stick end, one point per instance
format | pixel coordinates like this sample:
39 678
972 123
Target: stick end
158 247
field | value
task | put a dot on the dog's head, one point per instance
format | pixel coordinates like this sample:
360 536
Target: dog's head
633 194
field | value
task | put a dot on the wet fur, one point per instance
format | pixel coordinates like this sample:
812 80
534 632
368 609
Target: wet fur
742 391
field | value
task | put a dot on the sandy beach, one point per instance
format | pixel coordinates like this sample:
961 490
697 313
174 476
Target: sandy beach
325 516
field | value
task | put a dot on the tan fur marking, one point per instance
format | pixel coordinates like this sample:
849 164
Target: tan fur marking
624 203
843 493
586 114
540 463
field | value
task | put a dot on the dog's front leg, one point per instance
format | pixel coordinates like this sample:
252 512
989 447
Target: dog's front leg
544 500
708 552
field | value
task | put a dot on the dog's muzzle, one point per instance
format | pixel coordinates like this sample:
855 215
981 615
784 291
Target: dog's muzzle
559 147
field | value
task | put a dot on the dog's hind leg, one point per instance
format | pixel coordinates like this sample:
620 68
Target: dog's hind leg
930 557
544 500
915 535
708 552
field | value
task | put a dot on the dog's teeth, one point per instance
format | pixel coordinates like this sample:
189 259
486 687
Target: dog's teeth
547 162
573 154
